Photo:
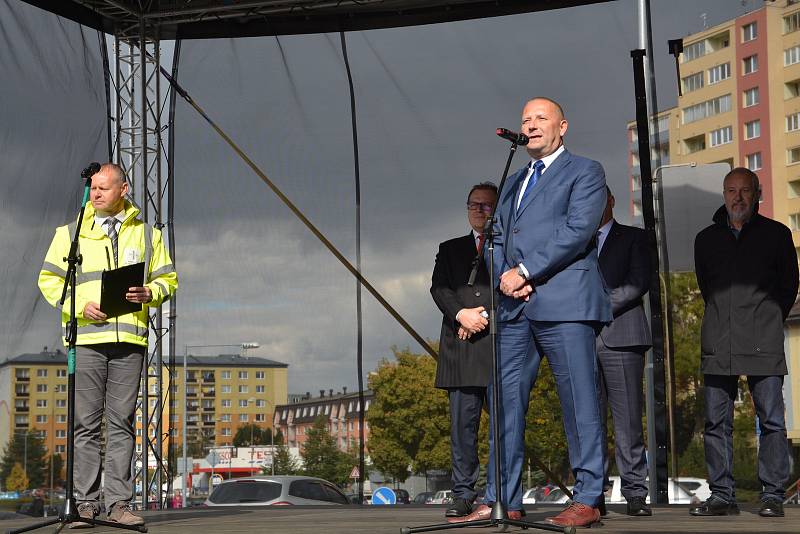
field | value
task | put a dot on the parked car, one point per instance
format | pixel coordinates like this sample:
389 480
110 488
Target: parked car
696 487
676 493
423 497
402 496
442 497
552 496
529 497
274 491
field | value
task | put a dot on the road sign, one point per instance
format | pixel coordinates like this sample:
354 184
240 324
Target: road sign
383 496
212 458
354 473
216 480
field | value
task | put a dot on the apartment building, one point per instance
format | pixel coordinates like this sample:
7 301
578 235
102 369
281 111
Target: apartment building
740 105
341 409
223 393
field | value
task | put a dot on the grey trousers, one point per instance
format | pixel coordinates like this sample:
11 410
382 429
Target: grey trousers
621 389
107 377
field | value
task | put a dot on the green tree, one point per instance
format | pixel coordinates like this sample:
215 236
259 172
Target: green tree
57 469
26 446
285 464
17 480
409 418
321 457
260 436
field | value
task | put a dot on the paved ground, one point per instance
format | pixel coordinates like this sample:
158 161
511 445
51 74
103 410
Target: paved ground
390 519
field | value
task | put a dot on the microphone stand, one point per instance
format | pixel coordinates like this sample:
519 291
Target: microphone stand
499 517
70 513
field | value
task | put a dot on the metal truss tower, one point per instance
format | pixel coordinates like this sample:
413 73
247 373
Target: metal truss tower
140 150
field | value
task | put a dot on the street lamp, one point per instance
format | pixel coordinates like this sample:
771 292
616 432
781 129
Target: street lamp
243 347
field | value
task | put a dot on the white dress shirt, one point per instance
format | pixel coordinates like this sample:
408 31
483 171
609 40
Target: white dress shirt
602 234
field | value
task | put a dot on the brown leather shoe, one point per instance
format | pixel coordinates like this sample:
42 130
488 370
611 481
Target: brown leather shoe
516 515
121 513
480 513
576 515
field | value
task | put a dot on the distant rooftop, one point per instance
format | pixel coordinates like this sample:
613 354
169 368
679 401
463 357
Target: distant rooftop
58 357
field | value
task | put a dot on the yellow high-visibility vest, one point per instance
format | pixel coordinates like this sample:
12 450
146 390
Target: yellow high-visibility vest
137 242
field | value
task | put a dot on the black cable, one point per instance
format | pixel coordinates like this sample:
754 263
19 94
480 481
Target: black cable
101 37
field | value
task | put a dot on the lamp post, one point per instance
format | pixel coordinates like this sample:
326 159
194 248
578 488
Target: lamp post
243 347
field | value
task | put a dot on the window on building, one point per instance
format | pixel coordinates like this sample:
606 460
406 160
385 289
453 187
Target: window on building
242 403
242 375
243 389
750 64
41 388
694 50
259 389
751 97
791 56
41 403
718 73
715 106
260 375
61 388
226 432
63 448
794 188
20 420
791 23
61 418
41 418
720 136
61 373
754 161
226 388
22 373
61 433
752 129
793 122
225 418
260 418
793 155
261 403
243 418
693 82
694 144
749 31
41 373
61 403
226 403
225 375
794 221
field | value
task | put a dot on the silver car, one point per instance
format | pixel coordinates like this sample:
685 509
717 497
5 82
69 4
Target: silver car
275 491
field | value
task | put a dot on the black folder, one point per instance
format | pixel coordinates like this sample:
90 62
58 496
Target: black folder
115 284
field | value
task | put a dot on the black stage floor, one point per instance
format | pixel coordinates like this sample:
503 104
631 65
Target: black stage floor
390 519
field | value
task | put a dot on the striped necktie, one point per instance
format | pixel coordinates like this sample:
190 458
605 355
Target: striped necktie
111 222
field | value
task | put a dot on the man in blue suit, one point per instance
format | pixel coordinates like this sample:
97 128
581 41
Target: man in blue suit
552 304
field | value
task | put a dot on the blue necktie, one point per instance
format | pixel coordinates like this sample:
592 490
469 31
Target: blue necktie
538 167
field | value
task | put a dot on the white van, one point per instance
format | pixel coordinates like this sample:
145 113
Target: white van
676 493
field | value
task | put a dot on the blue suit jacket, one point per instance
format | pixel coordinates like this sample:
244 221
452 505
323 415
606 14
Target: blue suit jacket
553 233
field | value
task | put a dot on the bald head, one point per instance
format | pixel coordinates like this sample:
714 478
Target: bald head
544 123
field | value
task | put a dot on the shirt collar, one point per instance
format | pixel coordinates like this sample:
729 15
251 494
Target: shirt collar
547 160
606 228
100 219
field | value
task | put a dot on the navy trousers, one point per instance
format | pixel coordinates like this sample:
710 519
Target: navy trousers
773 452
570 351
465 419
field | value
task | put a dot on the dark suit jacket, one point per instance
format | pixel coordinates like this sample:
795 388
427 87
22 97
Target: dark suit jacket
625 265
469 362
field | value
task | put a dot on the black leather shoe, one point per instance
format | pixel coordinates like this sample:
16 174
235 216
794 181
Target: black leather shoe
637 506
714 506
602 507
771 508
458 508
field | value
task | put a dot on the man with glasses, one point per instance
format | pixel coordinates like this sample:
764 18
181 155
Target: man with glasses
465 358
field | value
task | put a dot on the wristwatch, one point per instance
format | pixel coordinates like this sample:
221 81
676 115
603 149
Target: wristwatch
521 272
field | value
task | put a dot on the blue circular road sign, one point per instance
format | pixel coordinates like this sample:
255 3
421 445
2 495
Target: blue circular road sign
383 496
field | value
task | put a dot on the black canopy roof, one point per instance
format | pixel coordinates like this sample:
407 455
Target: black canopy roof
201 19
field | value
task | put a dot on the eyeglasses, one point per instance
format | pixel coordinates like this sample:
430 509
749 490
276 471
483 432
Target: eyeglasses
482 206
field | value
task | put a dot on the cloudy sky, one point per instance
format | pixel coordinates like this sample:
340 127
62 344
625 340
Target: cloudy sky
428 101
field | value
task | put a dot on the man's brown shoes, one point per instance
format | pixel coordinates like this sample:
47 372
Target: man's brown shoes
482 513
576 515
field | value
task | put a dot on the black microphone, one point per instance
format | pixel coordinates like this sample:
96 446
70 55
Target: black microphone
516 138
90 171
